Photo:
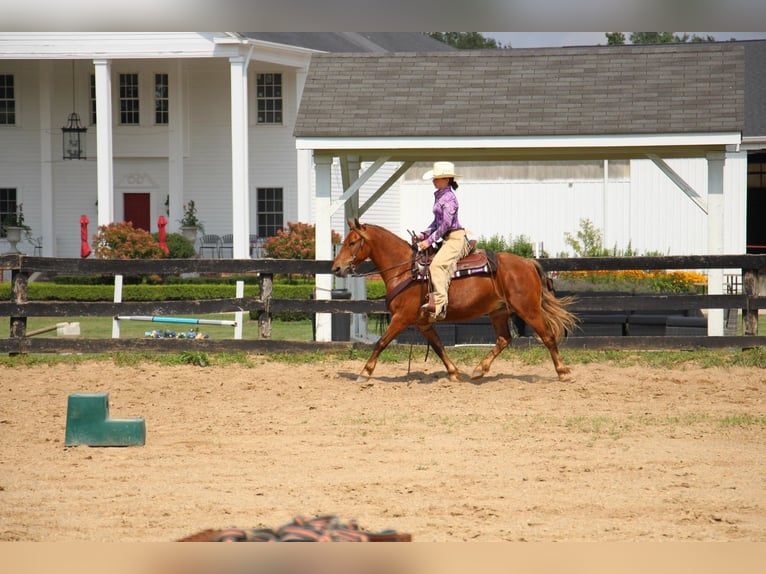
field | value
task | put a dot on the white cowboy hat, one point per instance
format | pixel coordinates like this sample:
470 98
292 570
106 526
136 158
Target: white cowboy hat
441 169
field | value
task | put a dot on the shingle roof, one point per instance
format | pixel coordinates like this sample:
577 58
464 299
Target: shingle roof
674 88
755 89
355 41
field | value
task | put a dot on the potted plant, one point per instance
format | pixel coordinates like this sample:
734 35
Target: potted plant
190 222
13 225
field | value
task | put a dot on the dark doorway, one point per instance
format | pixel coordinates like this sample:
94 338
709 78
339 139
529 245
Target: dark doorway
756 203
137 209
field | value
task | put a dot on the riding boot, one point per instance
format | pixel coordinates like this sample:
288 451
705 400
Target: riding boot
430 305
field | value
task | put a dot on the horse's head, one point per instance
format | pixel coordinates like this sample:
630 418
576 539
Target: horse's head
353 251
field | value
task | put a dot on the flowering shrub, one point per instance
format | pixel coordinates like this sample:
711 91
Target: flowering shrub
190 217
123 241
295 242
637 280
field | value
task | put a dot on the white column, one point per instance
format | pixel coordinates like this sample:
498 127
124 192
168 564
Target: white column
239 158
323 230
715 226
105 167
47 223
176 147
303 159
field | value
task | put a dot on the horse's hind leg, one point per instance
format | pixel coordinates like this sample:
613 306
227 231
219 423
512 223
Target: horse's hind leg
436 344
533 317
503 339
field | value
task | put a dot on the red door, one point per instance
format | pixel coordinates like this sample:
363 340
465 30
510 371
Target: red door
137 210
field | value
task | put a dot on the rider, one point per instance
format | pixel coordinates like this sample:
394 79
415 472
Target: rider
446 228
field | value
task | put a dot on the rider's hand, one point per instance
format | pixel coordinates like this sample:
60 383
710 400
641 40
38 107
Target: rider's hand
422 246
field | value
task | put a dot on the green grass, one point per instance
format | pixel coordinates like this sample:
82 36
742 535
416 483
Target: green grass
101 328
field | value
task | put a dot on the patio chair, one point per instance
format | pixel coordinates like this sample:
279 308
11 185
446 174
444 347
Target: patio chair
37 243
227 242
212 243
256 246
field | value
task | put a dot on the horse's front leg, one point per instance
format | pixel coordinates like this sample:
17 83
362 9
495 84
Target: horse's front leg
436 344
395 327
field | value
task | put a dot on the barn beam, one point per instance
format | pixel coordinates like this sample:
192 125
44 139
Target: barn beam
358 183
679 181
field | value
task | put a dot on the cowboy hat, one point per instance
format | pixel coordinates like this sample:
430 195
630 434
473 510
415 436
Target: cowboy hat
441 169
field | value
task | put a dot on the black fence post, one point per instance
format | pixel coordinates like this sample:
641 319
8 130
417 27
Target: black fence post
266 283
19 295
750 289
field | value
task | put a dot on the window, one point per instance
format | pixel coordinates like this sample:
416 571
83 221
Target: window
92 92
8 204
269 98
161 100
7 100
270 211
129 99
756 171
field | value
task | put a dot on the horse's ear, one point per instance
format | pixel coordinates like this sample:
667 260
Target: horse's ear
356 223
350 224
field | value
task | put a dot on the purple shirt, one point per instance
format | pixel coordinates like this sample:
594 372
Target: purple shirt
445 216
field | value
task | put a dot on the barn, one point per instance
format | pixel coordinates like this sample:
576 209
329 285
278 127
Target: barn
652 143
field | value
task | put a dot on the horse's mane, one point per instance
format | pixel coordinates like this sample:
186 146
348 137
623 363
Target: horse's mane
387 232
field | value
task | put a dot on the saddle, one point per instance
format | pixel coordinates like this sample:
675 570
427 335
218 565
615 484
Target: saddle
477 261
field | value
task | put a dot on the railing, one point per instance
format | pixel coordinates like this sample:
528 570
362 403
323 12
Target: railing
22 266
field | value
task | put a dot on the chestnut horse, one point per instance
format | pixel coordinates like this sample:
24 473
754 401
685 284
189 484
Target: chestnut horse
519 286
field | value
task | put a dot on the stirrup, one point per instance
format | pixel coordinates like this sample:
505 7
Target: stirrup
430 305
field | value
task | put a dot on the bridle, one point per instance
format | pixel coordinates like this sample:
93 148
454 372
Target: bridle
353 264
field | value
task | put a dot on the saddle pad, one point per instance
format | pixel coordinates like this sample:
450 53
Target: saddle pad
477 261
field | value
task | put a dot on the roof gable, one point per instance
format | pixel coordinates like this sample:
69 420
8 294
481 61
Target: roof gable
541 92
355 41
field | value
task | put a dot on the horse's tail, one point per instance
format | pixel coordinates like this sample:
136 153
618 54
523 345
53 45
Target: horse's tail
555 315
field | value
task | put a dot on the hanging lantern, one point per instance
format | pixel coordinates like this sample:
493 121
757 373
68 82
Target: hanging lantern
74 132
74 137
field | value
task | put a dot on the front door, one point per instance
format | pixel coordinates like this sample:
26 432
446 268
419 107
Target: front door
137 210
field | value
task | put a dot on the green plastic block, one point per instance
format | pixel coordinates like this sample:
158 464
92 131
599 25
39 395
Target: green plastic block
88 423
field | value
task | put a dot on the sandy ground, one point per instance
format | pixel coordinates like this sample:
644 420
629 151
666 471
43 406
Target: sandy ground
619 454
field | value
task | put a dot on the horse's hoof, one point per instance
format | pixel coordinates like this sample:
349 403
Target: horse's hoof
362 379
477 373
565 377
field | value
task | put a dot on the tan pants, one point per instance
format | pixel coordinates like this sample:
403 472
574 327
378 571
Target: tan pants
454 247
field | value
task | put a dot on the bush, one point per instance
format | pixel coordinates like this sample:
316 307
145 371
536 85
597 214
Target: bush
178 246
295 242
123 241
520 245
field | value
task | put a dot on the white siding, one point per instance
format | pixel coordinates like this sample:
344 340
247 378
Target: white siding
647 212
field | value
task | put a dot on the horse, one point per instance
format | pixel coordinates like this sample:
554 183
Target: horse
519 285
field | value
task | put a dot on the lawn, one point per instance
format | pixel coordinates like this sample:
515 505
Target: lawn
101 328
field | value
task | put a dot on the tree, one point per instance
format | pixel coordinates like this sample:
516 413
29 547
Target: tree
467 40
618 38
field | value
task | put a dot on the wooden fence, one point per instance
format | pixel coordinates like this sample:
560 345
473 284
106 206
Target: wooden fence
22 267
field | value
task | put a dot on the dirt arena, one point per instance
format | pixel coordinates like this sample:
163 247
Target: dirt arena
618 454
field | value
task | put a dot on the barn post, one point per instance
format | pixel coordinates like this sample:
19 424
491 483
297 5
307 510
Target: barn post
323 235
356 285
715 235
